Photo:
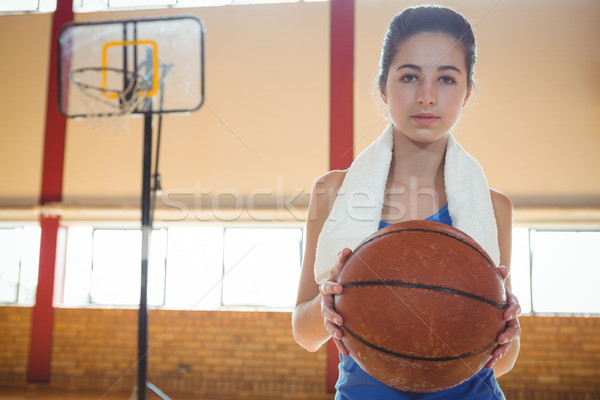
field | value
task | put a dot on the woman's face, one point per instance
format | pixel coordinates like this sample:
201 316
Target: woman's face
427 86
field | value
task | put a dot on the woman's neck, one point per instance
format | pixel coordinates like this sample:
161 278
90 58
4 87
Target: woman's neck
415 187
420 162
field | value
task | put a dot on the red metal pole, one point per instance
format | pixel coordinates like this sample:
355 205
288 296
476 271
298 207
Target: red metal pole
40 348
341 116
342 84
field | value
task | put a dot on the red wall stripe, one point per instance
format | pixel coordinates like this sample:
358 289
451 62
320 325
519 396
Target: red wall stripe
56 123
341 116
40 348
342 84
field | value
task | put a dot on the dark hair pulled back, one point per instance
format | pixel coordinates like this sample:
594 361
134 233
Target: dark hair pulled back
421 19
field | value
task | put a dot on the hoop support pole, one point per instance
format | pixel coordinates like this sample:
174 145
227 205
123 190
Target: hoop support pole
146 231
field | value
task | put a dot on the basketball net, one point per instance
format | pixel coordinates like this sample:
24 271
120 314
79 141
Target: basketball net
119 104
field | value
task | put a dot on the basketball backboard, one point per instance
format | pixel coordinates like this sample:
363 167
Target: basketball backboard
112 68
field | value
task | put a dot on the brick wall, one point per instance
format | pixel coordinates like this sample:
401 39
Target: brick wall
238 354
253 355
15 323
559 359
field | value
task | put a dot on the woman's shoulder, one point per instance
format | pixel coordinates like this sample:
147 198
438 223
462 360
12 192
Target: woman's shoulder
501 202
503 210
325 190
331 180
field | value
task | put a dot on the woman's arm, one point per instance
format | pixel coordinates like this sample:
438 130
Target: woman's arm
308 319
506 354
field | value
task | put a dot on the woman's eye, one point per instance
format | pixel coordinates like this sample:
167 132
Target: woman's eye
447 80
409 78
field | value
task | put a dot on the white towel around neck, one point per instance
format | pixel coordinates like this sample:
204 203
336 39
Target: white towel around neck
356 211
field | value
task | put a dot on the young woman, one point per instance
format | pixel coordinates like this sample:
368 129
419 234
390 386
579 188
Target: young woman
426 78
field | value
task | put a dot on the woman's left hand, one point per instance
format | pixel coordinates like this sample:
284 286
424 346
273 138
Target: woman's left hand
511 316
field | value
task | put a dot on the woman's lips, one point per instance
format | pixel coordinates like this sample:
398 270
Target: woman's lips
425 119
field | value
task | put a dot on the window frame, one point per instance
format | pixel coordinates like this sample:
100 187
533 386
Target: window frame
554 228
164 284
124 225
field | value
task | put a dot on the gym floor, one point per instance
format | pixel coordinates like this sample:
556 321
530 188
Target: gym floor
42 394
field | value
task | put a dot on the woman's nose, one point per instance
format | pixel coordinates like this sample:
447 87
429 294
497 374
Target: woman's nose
426 93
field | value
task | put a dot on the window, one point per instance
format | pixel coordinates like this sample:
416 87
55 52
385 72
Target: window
556 271
104 267
27 5
210 267
22 6
19 261
99 5
195 267
520 268
189 267
261 267
565 271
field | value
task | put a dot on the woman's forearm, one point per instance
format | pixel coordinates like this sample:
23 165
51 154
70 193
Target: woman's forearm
307 324
506 363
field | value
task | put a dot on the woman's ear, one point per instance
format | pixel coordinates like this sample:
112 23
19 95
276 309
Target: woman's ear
383 95
467 95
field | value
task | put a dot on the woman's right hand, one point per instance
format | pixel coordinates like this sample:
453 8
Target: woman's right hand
332 320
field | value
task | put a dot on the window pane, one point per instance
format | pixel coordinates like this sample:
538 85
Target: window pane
202 3
9 265
566 272
194 267
116 267
30 261
519 268
156 267
78 270
19 262
18 5
139 3
95 5
115 275
262 267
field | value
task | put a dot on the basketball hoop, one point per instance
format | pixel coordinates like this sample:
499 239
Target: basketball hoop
128 99
122 102
111 70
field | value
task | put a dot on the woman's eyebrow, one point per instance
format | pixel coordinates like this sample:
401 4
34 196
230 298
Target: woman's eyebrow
448 67
411 66
440 68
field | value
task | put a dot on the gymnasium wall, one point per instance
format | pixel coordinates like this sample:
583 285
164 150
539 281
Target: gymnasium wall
252 355
532 122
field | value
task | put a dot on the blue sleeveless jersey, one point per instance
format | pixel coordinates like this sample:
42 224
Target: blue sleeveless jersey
355 384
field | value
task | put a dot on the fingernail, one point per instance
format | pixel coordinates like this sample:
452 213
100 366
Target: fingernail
337 335
503 340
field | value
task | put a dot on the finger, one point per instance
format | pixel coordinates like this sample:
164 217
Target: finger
329 313
342 257
328 288
510 334
513 310
340 346
504 272
498 353
334 330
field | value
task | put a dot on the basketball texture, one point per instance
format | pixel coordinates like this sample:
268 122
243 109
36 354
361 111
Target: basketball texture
422 306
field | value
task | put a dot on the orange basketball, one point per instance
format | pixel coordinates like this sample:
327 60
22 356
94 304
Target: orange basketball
422 306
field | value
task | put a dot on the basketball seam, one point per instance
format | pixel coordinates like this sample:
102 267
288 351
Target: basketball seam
425 287
418 358
428 231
